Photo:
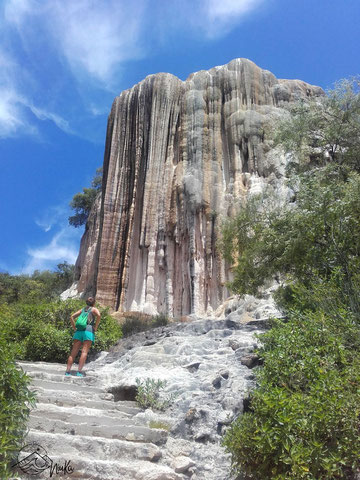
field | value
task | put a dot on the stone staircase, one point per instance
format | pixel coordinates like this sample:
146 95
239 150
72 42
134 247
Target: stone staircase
90 427
84 433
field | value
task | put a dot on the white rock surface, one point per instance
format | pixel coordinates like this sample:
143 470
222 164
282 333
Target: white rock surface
180 157
71 292
182 464
95 423
201 367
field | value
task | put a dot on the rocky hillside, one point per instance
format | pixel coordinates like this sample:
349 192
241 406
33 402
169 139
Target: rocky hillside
91 427
178 157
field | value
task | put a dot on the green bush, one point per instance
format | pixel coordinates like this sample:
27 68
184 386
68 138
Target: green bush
109 332
160 320
160 425
42 332
304 418
136 323
303 421
40 286
149 394
46 343
15 403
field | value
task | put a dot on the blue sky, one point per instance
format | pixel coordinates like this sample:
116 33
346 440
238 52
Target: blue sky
62 62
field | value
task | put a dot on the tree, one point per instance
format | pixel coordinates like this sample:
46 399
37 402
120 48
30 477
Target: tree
303 421
318 234
325 129
83 202
16 399
65 274
311 240
35 288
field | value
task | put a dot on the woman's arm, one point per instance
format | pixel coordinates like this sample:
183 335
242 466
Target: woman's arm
74 315
96 312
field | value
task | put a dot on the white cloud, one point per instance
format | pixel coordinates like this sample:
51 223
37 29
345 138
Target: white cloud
64 246
94 37
222 15
86 44
98 36
63 241
52 216
43 225
15 10
44 115
229 8
14 115
15 106
12 119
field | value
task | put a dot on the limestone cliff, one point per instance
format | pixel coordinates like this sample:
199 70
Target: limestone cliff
177 156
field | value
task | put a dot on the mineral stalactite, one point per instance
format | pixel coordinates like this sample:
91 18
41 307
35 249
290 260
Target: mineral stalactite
178 157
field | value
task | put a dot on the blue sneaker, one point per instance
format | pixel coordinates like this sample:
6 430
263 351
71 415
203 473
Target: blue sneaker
67 374
79 374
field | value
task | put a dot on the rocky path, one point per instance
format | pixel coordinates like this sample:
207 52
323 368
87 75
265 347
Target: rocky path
82 429
91 428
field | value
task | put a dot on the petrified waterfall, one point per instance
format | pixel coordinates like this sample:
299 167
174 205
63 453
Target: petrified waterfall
178 157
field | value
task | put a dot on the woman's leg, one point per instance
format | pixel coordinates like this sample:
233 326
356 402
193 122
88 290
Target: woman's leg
84 351
74 351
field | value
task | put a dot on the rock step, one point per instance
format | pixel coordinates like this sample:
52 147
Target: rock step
75 384
77 414
53 371
93 447
61 378
88 427
64 399
85 468
29 366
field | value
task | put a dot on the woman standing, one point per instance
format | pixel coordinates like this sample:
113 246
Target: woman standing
84 334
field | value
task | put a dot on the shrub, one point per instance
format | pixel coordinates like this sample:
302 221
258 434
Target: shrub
15 403
304 417
303 421
109 332
135 323
43 331
38 287
160 320
159 424
46 343
149 394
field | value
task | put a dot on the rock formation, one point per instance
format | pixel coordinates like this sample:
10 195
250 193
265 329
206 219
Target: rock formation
178 157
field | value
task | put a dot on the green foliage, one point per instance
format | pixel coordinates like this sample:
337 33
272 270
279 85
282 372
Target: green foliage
42 332
47 344
149 394
83 202
316 238
109 332
39 286
303 421
139 323
325 129
247 245
304 417
97 180
159 424
15 403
